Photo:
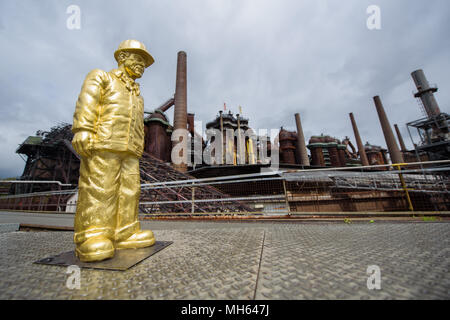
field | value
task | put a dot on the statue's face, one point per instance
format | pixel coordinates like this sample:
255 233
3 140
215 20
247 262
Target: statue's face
135 65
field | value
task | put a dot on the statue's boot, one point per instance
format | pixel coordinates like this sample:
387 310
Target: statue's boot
141 239
95 249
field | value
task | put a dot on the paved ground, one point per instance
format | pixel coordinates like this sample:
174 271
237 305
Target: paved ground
64 220
245 261
50 219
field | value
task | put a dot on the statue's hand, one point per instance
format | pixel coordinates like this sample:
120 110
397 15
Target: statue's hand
81 142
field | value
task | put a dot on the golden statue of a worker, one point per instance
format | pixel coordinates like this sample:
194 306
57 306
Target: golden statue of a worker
108 124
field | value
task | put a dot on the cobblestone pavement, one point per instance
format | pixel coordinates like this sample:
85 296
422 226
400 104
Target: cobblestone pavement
245 261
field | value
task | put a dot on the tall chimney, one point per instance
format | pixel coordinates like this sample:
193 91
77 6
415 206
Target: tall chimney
361 150
394 152
301 146
180 113
426 93
400 139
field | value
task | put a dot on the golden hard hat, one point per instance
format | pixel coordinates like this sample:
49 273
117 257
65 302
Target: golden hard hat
137 47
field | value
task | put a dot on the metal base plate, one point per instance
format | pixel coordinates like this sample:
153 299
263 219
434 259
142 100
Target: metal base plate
123 259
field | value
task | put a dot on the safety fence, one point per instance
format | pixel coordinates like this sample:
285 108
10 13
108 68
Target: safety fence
418 186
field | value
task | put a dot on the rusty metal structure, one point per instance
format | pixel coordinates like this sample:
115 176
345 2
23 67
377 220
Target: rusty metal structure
51 165
365 191
389 188
166 105
316 147
288 146
292 146
376 155
158 132
351 154
434 129
234 132
409 156
51 157
329 180
327 151
168 198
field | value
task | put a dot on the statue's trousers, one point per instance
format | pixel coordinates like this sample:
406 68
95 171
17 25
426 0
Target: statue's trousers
108 196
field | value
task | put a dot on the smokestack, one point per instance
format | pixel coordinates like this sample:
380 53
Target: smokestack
180 113
400 139
394 152
301 146
425 93
361 150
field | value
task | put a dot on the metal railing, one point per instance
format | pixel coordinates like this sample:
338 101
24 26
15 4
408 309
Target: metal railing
420 186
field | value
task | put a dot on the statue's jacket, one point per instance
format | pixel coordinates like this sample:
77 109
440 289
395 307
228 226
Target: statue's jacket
111 107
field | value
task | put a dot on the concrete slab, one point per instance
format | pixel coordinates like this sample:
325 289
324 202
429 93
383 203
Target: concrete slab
331 262
221 261
9 227
200 264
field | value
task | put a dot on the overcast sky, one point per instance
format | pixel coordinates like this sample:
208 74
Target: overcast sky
274 58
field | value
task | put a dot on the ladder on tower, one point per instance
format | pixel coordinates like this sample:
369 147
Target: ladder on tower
422 107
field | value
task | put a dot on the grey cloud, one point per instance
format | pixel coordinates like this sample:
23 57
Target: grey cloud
274 58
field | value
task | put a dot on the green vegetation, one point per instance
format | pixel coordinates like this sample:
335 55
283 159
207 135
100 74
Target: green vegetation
430 219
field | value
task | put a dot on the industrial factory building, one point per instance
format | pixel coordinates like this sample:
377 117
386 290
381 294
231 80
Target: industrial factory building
335 176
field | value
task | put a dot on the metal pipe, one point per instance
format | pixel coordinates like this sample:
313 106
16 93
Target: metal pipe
34 194
166 105
280 196
37 181
361 150
301 145
415 147
405 189
394 151
196 184
193 200
180 113
400 138
237 178
288 207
